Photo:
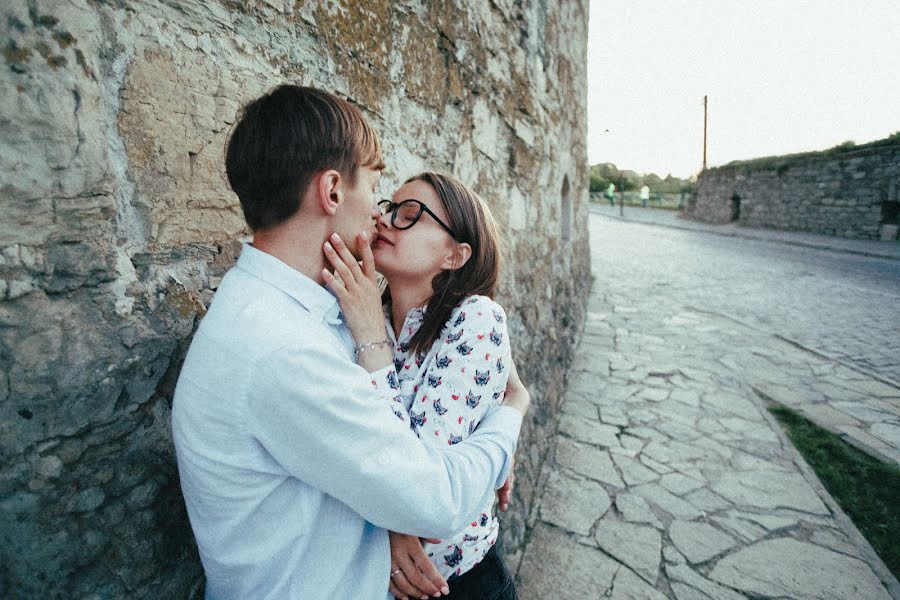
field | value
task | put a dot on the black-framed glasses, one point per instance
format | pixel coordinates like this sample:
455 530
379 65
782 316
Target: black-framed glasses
405 214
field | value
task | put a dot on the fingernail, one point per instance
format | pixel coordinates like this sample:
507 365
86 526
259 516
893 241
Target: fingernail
365 235
335 237
328 246
445 590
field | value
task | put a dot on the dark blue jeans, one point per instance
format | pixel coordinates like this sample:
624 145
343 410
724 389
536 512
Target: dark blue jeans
488 580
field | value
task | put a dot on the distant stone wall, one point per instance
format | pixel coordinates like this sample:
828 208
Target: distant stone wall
849 192
117 226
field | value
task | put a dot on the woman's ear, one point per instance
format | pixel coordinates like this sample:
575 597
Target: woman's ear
329 192
458 257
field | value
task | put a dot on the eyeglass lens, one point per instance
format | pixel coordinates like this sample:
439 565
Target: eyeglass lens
405 214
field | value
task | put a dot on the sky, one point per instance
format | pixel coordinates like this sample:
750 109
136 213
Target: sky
782 76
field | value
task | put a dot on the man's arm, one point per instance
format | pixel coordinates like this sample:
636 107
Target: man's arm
318 415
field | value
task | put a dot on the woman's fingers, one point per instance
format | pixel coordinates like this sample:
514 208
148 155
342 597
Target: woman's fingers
336 285
365 255
340 267
346 256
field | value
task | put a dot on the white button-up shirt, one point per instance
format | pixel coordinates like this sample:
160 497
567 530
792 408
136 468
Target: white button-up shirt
292 464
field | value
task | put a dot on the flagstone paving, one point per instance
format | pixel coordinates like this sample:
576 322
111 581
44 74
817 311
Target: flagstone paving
671 480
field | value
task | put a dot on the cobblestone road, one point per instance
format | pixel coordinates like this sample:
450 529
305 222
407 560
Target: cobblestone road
670 479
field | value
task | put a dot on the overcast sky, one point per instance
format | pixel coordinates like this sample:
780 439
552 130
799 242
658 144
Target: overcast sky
782 76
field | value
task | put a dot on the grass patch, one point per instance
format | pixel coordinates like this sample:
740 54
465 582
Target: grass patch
780 164
867 489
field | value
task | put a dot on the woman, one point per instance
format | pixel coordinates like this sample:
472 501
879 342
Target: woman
437 247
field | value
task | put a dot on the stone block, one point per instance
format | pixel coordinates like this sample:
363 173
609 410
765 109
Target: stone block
573 504
556 566
786 567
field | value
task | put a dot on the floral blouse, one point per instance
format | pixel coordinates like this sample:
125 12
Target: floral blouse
446 393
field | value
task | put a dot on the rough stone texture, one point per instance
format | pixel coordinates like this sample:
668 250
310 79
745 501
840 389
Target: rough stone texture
699 542
637 547
628 586
737 512
573 504
118 225
769 489
852 192
557 566
688 585
588 461
788 568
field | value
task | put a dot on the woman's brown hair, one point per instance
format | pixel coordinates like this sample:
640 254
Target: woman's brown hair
473 223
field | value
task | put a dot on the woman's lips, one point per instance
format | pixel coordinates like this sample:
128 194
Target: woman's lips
383 240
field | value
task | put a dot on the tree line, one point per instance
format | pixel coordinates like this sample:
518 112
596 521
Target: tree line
602 174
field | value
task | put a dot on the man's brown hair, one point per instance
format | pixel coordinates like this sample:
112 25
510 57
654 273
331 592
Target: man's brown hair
283 139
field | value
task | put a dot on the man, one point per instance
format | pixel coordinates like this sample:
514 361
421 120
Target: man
293 463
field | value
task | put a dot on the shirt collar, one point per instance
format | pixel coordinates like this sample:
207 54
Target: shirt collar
318 300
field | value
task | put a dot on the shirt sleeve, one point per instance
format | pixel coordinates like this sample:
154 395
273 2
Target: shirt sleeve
466 376
318 415
387 386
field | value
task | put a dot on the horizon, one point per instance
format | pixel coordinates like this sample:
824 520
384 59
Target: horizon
784 79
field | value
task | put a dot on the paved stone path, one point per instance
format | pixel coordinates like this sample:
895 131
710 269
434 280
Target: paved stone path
670 479
838 306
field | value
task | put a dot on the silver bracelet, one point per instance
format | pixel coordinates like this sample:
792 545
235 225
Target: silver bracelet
363 347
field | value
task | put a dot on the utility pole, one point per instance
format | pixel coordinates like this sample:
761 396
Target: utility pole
705 99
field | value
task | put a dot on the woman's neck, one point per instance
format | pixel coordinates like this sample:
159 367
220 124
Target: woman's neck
404 298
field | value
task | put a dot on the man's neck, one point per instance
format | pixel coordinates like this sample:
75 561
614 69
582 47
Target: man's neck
404 298
301 250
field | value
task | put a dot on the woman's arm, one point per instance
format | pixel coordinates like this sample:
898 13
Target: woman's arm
515 392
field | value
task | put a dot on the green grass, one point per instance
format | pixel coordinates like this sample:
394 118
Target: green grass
867 489
785 162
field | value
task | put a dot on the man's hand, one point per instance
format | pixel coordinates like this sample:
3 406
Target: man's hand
413 575
516 394
504 494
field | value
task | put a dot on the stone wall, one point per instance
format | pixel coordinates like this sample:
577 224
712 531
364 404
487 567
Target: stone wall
117 227
848 191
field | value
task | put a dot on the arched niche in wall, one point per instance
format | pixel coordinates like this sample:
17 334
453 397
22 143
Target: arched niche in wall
565 210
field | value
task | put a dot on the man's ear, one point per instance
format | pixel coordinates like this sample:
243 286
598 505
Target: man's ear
457 257
329 191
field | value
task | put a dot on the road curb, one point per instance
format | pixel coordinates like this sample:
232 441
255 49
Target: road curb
747 234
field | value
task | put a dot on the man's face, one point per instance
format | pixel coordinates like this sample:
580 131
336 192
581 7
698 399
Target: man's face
360 209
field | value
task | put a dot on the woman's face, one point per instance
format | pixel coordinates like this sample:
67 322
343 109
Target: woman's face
423 250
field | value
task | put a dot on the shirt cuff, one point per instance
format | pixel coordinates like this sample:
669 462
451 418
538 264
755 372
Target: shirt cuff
387 386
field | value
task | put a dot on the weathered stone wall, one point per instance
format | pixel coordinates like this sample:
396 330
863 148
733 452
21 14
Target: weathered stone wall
847 191
117 226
